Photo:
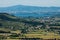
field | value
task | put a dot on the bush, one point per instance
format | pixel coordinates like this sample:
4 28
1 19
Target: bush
14 35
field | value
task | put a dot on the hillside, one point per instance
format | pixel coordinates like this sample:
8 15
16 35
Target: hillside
8 17
18 27
12 22
27 24
25 11
29 8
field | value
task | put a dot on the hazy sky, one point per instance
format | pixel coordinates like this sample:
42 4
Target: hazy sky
4 3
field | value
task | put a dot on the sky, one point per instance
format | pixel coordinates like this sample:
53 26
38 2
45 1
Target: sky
5 3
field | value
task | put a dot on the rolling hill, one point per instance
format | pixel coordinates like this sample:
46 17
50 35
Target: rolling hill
25 11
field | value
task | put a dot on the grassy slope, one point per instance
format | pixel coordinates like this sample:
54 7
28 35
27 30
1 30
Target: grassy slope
37 34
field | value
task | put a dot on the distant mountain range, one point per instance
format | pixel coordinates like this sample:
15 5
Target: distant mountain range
20 10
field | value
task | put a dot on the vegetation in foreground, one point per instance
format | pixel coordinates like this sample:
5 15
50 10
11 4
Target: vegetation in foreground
12 27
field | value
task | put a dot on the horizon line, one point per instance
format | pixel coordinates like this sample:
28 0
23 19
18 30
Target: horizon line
28 5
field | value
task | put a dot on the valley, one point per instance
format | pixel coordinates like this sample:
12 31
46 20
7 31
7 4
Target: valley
13 27
29 23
